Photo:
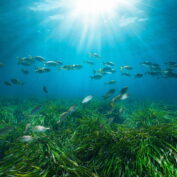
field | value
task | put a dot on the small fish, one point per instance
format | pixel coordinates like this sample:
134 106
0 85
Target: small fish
170 75
24 71
124 90
39 58
26 138
45 89
63 116
146 63
26 61
154 73
111 82
124 96
5 130
53 63
110 72
36 109
72 109
7 83
116 98
71 67
94 55
109 93
107 69
89 62
16 81
138 75
119 97
87 99
40 128
110 63
76 66
126 67
42 70
67 67
171 64
126 74
96 76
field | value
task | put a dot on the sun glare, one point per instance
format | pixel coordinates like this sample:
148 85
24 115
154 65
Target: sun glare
92 20
94 7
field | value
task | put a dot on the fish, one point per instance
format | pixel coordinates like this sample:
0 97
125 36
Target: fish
64 115
71 67
39 58
124 90
26 138
110 63
155 67
110 72
99 71
67 67
24 71
153 73
72 109
107 69
45 89
26 61
111 82
170 75
126 74
16 81
152 66
124 96
53 63
76 66
171 64
126 67
119 97
115 99
36 109
42 70
87 99
5 130
94 55
89 62
109 93
146 63
138 75
40 128
96 76
7 83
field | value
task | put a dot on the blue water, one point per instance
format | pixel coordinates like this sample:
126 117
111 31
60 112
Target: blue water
25 32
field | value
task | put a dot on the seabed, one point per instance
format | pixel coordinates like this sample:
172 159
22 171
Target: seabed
130 139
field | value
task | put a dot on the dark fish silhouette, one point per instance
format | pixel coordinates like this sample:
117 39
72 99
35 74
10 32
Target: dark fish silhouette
7 83
45 89
36 109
